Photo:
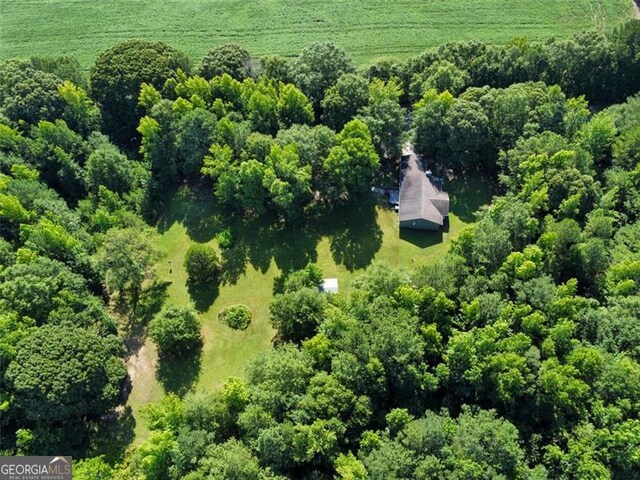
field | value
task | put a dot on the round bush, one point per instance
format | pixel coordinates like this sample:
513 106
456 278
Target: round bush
175 330
225 238
202 264
230 58
237 317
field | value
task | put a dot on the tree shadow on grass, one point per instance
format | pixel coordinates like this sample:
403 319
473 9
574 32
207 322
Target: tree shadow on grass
421 238
258 241
203 296
469 193
150 303
113 435
197 209
179 375
354 234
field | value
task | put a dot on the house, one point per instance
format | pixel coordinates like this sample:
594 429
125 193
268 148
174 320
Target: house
329 285
423 204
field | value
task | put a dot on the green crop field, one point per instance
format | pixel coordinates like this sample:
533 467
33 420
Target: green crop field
368 29
343 245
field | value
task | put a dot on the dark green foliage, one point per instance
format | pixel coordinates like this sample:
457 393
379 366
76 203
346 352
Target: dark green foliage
296 315
175 331
318 67
231 59
59 154
126 259
65 372
276 67
309 277
118 74
314 144
63 67
385 118
237 317
475 445
352 163
344 100
29 94
195 132
109 168
202 264
47 291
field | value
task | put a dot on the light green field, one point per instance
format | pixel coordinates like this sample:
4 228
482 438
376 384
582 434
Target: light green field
368 29
342 245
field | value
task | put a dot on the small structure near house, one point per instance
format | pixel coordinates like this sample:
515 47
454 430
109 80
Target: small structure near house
329 285
423 204
394 196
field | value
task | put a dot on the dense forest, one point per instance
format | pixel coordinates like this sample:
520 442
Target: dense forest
514 356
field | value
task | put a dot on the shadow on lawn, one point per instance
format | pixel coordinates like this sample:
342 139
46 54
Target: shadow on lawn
179 375
197 210
468 194
421 238
353 232
203 296
150 303
113 435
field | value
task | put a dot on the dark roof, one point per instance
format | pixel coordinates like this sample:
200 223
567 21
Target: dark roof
420 196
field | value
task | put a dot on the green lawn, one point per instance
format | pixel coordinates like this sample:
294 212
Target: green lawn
343 245
368 29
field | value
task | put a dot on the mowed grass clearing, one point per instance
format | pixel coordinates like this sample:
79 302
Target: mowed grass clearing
367 29
343 245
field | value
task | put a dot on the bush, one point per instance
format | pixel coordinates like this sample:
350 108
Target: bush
202 264
237 317
225 238
175 330
310 276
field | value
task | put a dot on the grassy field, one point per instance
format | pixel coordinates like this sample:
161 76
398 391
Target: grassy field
368 29
343 245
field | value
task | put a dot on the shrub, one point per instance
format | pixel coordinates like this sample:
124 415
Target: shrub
237 317
309 277
225 238
175 330
202 264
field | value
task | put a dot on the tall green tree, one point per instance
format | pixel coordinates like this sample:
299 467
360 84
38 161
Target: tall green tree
175 331
351 164
318 67
230 58
118 74
65 372
126 258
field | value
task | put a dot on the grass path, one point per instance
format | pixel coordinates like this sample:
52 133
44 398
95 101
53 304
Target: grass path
368 29
343 245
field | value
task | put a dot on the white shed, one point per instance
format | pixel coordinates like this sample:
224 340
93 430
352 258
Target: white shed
329 285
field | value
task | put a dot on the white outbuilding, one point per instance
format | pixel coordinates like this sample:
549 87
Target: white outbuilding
329 285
